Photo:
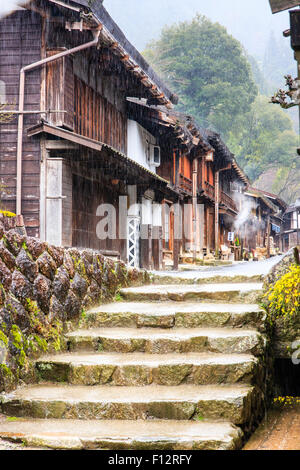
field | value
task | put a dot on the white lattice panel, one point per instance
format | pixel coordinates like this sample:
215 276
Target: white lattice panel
133 241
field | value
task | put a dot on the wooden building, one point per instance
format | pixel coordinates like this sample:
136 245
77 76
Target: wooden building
73 154
291 226
264 227
95 155
204 173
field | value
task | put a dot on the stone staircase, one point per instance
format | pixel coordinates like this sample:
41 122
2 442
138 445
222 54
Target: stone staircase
163 369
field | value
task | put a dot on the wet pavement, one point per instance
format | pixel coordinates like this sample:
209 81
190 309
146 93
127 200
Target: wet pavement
280 430
241 268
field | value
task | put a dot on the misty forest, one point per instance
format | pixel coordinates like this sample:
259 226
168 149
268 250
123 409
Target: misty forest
224 83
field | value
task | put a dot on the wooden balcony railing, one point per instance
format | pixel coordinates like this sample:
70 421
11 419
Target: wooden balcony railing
185 184
209 190
228 201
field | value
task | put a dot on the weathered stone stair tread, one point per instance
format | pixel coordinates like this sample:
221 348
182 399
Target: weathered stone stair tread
205 277
142 368
178 289
149 393
214 292
158 341
157 333
113 358
184 402
133 435
169 308
170 314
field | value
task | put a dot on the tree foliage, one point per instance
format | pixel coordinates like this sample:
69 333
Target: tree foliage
264 138
220 85
208 69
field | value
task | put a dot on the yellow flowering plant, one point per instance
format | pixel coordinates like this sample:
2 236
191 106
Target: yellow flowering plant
287 401
8 214
283 298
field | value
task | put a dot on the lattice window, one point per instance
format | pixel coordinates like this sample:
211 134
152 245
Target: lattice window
133 241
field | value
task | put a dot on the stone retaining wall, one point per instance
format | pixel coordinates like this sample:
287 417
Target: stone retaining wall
44 291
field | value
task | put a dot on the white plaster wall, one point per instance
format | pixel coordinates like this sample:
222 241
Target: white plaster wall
137 138
147 217
295 223
133 207
157 214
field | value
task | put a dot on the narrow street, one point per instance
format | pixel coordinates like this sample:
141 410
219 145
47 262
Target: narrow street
246 268
280 430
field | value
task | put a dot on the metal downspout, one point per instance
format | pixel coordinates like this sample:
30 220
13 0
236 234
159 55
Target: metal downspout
21 107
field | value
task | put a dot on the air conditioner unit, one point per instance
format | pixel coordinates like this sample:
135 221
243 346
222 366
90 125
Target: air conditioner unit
154 155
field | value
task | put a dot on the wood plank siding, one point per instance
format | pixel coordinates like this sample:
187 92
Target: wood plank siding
84 212
97 118
60 90
20 45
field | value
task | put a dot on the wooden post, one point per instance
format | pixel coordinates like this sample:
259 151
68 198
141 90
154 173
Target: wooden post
297 57
146 246
176 255
195 214
207 230
217 201
177 157
201 227
177 225
268 237
157 247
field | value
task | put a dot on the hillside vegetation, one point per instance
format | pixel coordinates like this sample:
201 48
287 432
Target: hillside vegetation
221 86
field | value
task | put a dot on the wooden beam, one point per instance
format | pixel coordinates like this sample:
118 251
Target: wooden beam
60 145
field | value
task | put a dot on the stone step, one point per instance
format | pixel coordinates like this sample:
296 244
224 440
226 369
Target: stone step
159 341
119 435
205 278
137 369
226 402
175 314
243 292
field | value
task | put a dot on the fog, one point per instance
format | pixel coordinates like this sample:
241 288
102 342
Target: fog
249 21
6 6
142 20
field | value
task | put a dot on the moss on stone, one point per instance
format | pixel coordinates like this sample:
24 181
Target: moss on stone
3 340
30 327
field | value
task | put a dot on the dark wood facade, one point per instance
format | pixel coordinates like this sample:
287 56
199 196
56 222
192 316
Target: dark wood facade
84 93
291 227
75 148
20 45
